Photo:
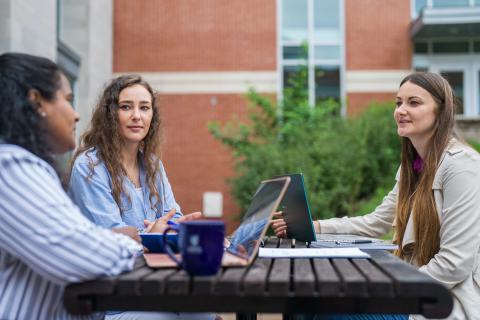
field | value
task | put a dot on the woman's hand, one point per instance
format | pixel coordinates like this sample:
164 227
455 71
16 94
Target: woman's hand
190 216
279 225
159 225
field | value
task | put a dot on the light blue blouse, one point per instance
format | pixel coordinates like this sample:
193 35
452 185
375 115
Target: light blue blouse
93 195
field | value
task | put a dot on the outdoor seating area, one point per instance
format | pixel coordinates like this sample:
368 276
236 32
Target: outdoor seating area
239 159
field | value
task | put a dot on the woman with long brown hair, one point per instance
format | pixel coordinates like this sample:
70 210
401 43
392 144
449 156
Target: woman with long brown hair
434 208
117 178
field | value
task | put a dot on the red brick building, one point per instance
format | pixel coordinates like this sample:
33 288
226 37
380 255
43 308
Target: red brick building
203 55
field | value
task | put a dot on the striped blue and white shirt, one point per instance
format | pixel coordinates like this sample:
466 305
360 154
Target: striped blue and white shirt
45 241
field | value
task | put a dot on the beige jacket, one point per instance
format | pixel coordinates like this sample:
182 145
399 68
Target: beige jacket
456 189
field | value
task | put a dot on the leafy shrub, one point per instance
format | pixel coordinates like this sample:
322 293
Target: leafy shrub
344 160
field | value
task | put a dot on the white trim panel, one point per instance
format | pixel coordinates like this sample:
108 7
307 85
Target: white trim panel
374 80
210 82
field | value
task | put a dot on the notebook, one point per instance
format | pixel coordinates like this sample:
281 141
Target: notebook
245 241
297 211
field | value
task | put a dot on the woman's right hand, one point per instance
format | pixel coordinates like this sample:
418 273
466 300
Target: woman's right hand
279 225
128 231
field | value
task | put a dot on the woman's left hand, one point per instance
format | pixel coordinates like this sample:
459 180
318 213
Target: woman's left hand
159 225
190 216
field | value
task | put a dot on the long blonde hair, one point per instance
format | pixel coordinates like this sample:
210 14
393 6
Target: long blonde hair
415 194
103 134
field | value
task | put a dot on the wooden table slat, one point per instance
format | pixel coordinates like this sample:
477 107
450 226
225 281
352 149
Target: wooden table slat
353 282
129 283
178 283
155 282
255 281
303 277
303 274
74 292
229 282
409 282
279 278
328 282
379 284
204 284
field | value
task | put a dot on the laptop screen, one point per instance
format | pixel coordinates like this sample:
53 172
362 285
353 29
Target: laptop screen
246 238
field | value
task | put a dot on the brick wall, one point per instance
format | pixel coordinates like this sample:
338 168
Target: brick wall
377 38
194 160
358 102
207 35
377 34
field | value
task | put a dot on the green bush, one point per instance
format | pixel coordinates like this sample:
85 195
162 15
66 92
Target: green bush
475 144
344 160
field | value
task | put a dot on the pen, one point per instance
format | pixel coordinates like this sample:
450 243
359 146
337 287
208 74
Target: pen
357 241
172 223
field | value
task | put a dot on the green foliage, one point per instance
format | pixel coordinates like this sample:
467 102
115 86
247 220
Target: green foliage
344 160
475 144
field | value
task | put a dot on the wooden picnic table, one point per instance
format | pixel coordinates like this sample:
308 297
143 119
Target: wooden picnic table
380 284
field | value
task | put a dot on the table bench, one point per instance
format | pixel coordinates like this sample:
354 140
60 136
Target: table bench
381 284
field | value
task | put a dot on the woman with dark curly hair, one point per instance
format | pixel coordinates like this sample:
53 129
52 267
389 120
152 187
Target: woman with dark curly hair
45 241
117 178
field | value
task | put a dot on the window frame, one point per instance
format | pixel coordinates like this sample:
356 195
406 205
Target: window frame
311 62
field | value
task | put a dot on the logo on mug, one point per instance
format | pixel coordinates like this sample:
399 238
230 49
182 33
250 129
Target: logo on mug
193 246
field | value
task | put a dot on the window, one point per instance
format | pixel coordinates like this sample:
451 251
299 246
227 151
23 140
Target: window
421 47
419 5
294 26
327 83
450 3
455 78
312 35
450 47
476 46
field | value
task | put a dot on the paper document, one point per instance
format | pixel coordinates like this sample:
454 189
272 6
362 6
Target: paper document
312 253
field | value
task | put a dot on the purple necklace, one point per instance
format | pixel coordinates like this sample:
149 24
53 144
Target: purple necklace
417 164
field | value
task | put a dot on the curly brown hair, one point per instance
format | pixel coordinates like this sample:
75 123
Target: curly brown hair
103 134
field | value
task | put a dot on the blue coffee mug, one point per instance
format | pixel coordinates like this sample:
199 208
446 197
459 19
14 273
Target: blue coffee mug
201 246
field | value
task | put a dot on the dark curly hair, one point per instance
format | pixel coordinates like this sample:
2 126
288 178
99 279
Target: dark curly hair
20 121
104 135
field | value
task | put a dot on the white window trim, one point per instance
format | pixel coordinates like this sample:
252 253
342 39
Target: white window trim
413 12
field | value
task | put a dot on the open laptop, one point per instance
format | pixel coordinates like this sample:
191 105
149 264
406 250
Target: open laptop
297 211
245 241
